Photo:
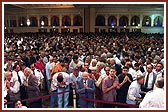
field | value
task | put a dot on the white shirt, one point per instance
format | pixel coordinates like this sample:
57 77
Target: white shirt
150 80
16 87
132 72
134 76
39 75
66 78
21 75
74 79
159 74
48 70
133 92
154 99
72 65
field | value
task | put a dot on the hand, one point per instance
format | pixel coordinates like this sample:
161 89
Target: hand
115 84
125 79
63 83
128 79
25 84
85 87
138 99
50 90
7 84
72 83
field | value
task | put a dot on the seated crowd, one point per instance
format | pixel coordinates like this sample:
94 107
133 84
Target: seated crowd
84 70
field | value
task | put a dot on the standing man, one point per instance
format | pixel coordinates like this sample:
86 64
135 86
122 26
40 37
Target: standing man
48 72
12 86
158 69
61 81
125 80
109 86
150 78
19 75
32 89
38 74
85 89
74 77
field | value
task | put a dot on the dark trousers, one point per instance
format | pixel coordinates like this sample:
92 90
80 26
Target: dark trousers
36 104
23 95
108 105
70 97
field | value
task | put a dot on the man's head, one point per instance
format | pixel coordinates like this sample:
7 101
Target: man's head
85 75
76 71
112 61
75 59
8 75
140 78
107 69
112 72
125 70
136 66
159 67
16 67
18 104
93 70
149 68
27 71
159 82
32 66
60 77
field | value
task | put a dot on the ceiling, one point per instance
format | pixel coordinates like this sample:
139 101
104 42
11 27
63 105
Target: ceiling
37 6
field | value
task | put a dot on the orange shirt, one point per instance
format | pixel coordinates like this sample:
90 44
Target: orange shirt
57 68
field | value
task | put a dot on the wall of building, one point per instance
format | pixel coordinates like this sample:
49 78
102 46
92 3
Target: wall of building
88 15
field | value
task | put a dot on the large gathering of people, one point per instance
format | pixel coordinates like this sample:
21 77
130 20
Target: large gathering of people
78 69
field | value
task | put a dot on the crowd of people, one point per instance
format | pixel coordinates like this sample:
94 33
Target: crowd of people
77 69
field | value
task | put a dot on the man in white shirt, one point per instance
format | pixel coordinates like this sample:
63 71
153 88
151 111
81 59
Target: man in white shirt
74 62
149 79
133 96
12 86
136 71
48 72
155 98
38 74
61 80
158 69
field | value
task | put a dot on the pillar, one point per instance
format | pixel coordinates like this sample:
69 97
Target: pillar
72 20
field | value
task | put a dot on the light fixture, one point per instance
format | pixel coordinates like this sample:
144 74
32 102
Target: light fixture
112 24
147 22
124 26
42 23
28 22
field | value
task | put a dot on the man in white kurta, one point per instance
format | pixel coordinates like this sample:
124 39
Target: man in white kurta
155 98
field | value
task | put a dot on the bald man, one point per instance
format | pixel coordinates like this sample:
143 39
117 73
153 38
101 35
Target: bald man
12 86
155 98
32 89
85 89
